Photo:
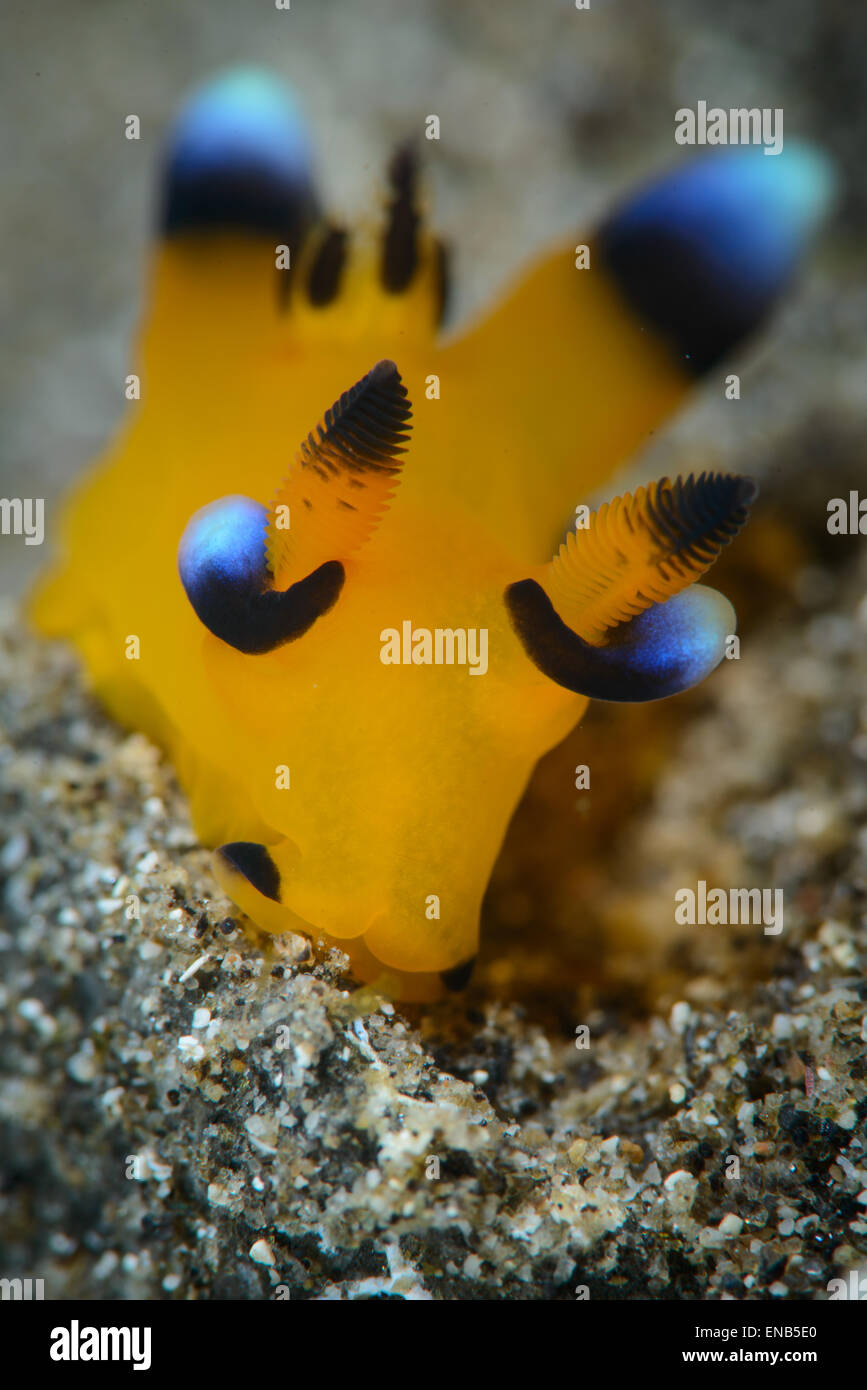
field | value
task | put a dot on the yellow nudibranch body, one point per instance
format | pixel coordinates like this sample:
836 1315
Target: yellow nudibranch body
356 637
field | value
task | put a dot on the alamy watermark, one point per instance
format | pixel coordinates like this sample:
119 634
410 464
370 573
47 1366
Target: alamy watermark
442 646
721 907
25 1289
23 516
77 1343
847 516
852 1289
739 125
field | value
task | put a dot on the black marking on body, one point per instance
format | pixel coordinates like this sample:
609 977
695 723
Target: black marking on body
400 242
254 863
442 281
458 977
323 281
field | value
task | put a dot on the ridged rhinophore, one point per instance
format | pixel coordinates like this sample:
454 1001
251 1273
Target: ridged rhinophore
643 548
343 477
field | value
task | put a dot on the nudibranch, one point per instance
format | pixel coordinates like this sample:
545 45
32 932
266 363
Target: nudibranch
334 530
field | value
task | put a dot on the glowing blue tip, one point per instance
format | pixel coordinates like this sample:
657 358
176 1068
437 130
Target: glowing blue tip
749 216
702 254
673 645
223 547
239 155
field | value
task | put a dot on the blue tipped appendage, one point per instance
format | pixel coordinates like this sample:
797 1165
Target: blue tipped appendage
223 567
239 156
702 254
664 650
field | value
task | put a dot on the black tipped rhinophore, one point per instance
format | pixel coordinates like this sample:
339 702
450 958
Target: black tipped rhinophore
367 429
222 565
323 281
400 242
459 976
239 158
702 255
694 517
253 861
